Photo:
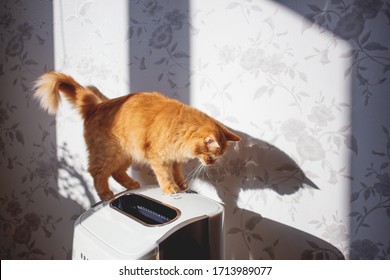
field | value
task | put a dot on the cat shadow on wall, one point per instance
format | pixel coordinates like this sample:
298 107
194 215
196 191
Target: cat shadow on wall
252 164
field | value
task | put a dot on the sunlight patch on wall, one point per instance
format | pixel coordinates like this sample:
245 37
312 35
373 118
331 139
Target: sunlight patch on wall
265 71
91 44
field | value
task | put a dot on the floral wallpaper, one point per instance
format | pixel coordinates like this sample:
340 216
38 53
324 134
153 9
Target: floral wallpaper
31 224
304 83
163 30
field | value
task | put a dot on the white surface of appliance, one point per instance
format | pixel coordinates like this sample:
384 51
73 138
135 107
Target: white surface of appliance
147 224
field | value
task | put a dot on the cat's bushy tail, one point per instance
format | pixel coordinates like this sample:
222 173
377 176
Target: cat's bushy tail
49 86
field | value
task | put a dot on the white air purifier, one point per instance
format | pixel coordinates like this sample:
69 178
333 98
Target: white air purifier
147 224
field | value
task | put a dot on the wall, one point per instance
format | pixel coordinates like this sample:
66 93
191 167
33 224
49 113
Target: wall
295 127
35 219
303 82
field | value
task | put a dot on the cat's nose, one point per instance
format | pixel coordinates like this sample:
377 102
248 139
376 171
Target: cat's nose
210 160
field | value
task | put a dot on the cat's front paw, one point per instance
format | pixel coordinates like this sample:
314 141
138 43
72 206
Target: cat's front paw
170 189
106 195
183 186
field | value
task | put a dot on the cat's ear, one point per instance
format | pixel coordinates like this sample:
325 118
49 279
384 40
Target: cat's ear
211 142
230 136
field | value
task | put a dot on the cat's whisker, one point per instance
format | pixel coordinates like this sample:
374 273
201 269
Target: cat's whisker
205 173
200 171
193 173
208 173
222 161
189 175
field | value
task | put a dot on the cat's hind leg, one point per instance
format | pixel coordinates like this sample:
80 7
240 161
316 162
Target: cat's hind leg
125 180
101 185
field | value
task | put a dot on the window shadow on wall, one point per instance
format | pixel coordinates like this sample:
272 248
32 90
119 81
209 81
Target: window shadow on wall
35 222
363 25
160 48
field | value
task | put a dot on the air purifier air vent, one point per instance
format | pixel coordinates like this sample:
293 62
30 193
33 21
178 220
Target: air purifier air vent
145 210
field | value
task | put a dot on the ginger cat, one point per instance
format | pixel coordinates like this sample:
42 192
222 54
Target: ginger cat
145 127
